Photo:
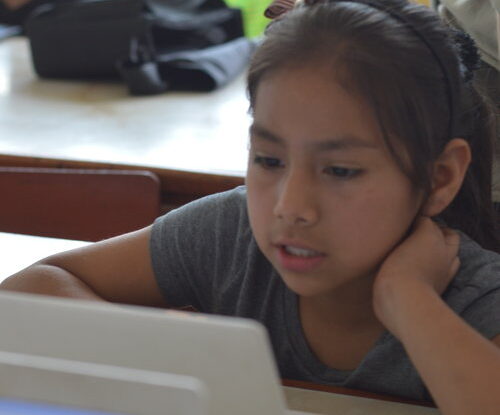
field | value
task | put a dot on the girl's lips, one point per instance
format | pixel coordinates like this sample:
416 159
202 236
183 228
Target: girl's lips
295 263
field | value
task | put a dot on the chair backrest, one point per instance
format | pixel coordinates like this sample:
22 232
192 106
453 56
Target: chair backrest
88 205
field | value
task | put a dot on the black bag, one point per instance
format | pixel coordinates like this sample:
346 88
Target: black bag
154 45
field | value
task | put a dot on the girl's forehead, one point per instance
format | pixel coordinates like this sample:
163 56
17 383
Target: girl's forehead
310 86
311 102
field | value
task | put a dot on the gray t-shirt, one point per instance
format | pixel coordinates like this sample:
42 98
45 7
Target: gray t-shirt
204 255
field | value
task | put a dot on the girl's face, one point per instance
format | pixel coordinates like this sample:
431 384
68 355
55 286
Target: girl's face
326 200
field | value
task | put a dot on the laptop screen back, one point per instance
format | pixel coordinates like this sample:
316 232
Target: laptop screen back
103 388
231 356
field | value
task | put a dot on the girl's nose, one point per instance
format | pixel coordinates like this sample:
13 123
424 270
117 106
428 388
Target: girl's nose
296 201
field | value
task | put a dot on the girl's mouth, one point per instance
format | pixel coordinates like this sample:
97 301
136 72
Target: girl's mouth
296 259
293 250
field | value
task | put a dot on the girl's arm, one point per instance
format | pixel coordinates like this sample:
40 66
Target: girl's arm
117 270
460 367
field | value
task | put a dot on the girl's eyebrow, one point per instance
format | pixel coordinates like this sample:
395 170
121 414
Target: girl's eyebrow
344 142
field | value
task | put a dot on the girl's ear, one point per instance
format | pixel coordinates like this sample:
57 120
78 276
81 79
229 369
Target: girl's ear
447 177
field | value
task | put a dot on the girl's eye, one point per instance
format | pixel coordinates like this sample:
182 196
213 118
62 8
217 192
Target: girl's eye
268 162
342 172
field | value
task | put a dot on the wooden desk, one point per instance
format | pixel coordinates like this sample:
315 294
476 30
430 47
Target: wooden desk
195 142
328 403
330 400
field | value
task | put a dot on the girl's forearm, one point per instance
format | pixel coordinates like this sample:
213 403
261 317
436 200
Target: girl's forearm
460 367
49 280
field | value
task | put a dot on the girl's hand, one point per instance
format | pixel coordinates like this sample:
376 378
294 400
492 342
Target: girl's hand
426 260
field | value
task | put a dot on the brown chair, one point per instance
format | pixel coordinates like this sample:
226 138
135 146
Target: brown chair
87 205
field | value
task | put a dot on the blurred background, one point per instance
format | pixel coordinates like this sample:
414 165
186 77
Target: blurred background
253 11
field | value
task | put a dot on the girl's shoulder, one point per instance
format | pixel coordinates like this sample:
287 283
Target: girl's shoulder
224 207
479 267
209 223
234 198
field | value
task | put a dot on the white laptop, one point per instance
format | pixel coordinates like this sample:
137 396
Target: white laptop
36 385
221 365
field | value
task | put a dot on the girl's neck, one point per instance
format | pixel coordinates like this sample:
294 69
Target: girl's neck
349 306
341 327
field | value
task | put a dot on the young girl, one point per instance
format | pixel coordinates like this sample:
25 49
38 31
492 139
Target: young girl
366 126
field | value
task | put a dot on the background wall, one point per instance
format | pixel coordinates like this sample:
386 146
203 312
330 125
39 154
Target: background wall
253 11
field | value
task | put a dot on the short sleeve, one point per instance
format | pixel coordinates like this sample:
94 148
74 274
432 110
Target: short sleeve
484 313
191 246
475 291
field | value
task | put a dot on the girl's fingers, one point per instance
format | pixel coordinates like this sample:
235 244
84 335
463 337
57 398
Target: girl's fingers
450 236
452 242
448 232
447 235
455 265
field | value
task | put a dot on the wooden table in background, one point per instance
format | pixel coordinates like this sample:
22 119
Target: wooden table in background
195 142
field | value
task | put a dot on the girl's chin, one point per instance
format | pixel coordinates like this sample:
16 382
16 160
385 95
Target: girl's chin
322 284
305 285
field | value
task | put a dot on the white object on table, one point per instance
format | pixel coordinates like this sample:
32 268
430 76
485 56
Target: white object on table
94 121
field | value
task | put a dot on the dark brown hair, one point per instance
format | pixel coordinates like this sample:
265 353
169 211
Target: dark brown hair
411 82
